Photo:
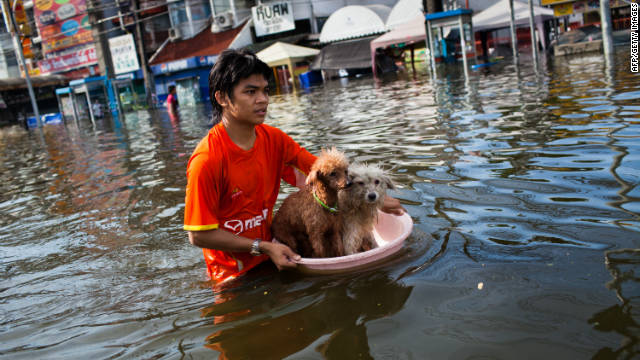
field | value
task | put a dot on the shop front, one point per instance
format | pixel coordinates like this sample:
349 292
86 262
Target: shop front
189 76
92 97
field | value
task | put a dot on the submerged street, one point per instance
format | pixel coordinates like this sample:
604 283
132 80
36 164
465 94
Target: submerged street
523 187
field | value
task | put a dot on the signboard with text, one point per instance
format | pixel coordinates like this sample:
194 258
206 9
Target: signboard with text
123 54
272 18
69 61
62 23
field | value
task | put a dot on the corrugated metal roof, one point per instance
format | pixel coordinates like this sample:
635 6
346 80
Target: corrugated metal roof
204 44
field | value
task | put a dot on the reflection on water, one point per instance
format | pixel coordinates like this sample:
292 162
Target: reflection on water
324 316
523 187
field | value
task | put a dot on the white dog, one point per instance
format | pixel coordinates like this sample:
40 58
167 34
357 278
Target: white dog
359 202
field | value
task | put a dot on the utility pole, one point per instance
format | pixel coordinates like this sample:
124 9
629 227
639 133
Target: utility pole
105 64
534 42
512 28
605 21
8 11
148 80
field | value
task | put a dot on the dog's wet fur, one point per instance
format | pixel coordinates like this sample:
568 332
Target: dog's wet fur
302 223
359 202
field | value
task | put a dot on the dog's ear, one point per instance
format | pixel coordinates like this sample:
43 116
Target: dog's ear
312 177
387 181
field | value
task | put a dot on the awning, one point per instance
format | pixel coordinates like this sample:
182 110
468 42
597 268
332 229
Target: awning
36 81
355 21
350 54
284 54
497 15
404 11
407 33
204 44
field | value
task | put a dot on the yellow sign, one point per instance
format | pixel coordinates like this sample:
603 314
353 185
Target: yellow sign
563 9
43 4
551 2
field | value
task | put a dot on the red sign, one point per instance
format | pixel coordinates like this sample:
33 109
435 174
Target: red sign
69 61
62 23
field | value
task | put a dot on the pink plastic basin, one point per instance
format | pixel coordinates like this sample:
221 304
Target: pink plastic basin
389 233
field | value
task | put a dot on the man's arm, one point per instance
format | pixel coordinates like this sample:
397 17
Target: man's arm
281 255
392 206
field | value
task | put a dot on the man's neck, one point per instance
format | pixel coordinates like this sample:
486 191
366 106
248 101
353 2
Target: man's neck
242 135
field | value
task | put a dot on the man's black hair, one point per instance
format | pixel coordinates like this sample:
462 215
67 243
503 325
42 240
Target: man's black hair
231 67
171 88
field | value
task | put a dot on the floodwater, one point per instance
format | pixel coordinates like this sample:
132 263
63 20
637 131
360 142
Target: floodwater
523 186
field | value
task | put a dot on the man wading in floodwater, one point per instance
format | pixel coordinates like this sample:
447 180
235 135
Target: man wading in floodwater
233 175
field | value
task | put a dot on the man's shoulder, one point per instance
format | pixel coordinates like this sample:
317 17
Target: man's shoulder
210 147
272 131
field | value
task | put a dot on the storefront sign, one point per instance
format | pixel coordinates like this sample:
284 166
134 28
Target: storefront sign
62 23
174 66
273 18
563 9
208 60
69 61
551 2
123 54
184 64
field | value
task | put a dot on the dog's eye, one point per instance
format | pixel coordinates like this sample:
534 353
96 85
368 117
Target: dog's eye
333 173
361 183
377 182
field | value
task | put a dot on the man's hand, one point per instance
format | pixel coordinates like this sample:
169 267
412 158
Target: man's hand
281 255
392 206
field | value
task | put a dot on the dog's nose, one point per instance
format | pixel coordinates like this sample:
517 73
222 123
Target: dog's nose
349 183
372 196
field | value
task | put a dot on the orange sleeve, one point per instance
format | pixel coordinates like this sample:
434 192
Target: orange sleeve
203 195
295 158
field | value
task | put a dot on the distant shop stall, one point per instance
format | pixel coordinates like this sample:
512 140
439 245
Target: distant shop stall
92 97
190 77
128 83
15 105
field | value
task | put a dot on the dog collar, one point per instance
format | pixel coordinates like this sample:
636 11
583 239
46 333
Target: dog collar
331 209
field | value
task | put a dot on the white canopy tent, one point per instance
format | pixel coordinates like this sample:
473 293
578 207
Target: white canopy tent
405 11
497 16
280 54
355 21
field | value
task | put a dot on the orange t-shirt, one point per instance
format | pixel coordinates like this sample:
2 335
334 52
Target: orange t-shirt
235 190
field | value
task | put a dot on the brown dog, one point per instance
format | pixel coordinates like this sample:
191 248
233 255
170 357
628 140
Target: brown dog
308 220
359 203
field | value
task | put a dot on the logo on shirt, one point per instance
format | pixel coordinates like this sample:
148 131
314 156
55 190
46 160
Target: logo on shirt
235 193
240 226
234 225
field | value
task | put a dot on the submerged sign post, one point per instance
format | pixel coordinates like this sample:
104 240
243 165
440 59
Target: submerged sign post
273 18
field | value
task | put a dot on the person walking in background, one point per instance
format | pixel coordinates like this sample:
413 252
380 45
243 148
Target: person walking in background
97 108
172 101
